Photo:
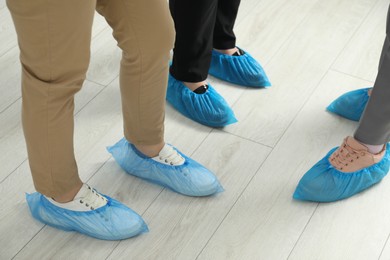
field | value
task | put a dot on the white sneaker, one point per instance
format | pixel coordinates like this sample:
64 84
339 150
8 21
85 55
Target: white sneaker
86 199
169 156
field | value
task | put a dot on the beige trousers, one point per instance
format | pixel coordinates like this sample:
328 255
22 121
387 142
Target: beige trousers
54 38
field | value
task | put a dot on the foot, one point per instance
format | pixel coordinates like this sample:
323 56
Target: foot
353 156
238 67
208 108
351 104
197 87
170 169
89 213
86 199
343 172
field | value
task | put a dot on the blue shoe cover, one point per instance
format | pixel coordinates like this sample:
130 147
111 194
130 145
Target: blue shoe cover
351 104
208 109
114 221
324 183
190 179
241 70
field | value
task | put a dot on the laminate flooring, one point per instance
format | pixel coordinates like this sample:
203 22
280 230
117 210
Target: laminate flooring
313 51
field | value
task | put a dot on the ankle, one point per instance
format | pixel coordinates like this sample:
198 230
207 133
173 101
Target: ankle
227 51
150 150
69 196
374 149
194 85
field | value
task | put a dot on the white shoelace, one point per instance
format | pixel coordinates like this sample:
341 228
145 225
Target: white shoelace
93 199
169 156
85 200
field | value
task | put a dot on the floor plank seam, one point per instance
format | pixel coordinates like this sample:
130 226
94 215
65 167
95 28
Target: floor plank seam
303 231
6 177
28 242
244 138
289 36
350 75
354 33
384 246
246 15
233 205
4 53
10 105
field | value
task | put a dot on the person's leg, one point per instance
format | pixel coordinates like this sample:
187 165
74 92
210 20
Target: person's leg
54 39
229 62
362 160
188 90
194 24
224 37
144 32
374 126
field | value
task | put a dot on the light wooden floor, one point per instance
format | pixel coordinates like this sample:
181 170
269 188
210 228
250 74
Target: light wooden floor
313 51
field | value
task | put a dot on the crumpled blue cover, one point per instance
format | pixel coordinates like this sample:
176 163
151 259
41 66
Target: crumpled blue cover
190 178
241 70
350 105
324 183
114 221
208 108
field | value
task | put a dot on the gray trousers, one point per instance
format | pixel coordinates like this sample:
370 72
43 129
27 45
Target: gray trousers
374 126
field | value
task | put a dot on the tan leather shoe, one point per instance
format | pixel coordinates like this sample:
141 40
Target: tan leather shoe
352 156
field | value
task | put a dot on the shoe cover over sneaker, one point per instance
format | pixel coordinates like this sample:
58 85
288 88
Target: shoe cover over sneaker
190 178
351 104
113 221
241 70
208 108
343 172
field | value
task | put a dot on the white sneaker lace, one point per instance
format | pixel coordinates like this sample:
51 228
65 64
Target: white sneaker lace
172 157
93 199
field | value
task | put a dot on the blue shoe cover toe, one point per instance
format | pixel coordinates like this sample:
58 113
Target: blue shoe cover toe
241 70
113 221
208 109
324 183
190 179
351 104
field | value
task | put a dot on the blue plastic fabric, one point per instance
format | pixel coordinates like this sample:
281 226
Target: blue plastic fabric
208 109
114 221
241 70
190 178
324 183
350 105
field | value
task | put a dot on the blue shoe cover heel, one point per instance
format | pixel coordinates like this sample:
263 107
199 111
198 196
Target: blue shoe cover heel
241 70
191 178
350 105
324 183
208 109
113 221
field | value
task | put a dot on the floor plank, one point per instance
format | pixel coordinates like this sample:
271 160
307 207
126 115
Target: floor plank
360 58
298 67
270 222
181 225
7 31
313 51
